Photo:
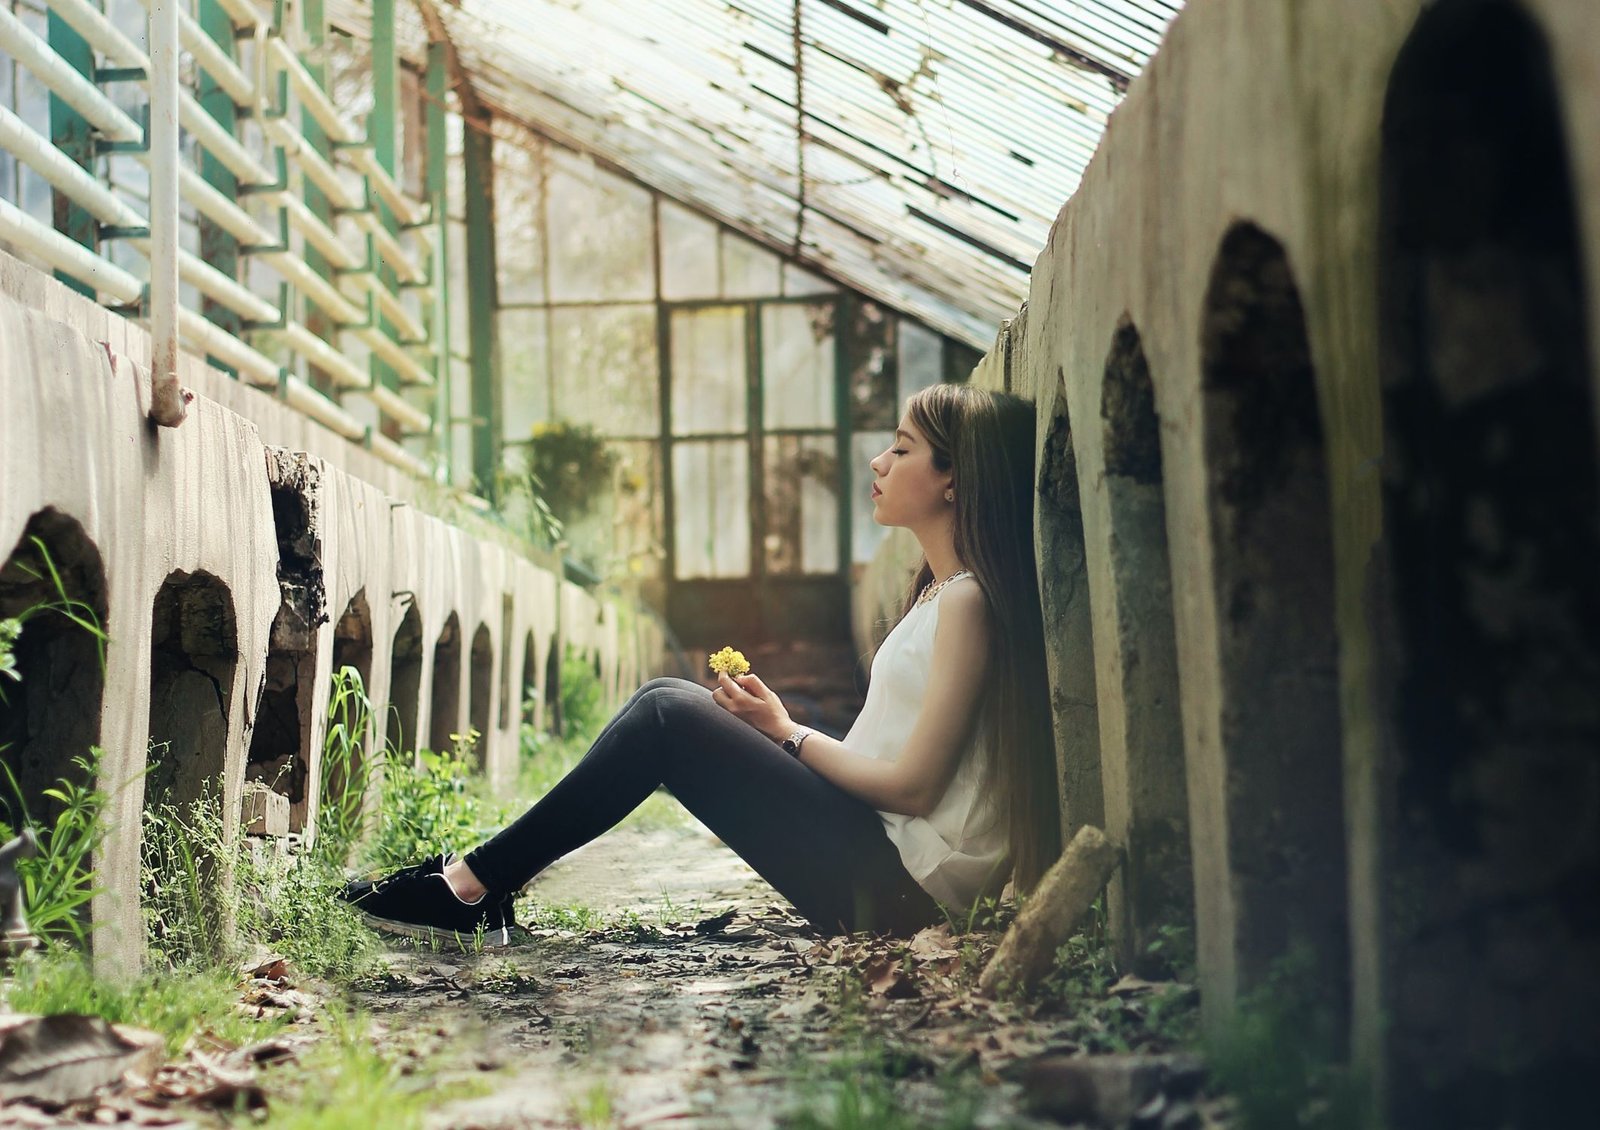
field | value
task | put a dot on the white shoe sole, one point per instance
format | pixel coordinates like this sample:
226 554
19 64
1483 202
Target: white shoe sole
492 939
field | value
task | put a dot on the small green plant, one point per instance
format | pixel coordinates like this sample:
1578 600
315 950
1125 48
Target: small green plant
177 1005
856 1090
569 467
427 807
10 630
187 908
582 698
592 1110
346 770
1281 1055
58 883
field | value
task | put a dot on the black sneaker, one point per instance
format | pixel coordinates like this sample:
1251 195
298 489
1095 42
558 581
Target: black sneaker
418 902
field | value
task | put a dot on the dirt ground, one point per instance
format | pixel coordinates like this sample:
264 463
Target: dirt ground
704 1002
700 1000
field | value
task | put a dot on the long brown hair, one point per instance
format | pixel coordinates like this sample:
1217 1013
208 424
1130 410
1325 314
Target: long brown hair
985 441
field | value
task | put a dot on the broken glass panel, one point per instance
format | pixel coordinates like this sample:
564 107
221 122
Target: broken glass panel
749 271
797 365
802 504
689 266
519 254
711 507
600 230
605 368
865 534
869 344
921 353
524 371
709 391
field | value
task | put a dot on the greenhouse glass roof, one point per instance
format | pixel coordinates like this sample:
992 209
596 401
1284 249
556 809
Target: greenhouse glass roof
916 150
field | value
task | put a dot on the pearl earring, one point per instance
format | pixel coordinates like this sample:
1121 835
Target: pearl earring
949 496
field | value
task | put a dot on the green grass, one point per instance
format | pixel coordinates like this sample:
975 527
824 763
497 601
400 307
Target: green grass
175 1004
865 1087
349 1082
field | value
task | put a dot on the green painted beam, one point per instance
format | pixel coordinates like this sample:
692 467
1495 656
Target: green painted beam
73 135
217 246
482 301
314 25
382 135
438 200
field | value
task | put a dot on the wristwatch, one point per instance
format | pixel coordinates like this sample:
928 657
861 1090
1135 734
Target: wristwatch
792 743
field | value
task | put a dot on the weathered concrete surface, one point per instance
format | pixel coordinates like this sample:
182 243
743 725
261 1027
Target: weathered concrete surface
196 504
1265 116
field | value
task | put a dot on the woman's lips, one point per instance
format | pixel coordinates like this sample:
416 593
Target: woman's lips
875 491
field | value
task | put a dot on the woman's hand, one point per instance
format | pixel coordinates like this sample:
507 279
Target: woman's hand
750 700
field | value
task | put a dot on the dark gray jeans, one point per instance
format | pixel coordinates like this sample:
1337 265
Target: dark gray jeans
824 851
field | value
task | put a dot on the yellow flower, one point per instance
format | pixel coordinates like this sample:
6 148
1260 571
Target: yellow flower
729 662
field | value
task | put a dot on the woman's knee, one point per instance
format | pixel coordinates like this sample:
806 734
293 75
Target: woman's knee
669 701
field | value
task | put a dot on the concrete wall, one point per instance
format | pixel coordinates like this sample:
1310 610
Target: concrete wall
175 538
1360 551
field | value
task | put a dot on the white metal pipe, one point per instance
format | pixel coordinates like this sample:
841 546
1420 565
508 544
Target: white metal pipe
397 408
220 210
404 322
242 13
63 173
308 401
325 356
217 63
206 337
100 33
320 235
312 97
318 289
396 357
406 210
313 164
215 139
20 42
167 406
66 255
390 249
390 452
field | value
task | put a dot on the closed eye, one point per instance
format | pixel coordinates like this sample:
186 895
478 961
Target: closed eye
898 451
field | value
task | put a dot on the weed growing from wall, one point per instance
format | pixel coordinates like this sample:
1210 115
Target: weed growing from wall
427 806
346 770
1281 1056
58 883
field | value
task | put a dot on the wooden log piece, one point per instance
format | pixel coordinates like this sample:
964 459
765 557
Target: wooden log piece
1047 920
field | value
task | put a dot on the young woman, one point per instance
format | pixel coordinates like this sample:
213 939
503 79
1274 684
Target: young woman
944 785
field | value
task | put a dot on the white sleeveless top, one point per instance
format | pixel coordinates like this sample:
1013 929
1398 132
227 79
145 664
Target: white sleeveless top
957 849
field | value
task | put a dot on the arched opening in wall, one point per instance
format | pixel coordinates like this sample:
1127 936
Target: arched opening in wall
405 684
1491 608
345 766
194 651
52 662
530 682
1146 793
552 687
506 610
280 739
1068 631
1272 546
482 660
445 716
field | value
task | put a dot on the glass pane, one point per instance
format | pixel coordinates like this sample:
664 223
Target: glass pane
623 535
519 257
870 366
865 534
600 228
605 368
709 393
921 358
524 372
711 507
688 253
749 271
802 495
797 363
801 283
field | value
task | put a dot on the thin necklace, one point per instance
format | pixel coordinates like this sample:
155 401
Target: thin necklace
931 589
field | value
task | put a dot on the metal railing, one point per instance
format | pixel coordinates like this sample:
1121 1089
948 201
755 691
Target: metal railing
361 271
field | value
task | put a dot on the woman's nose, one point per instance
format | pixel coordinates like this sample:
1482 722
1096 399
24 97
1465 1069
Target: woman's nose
873 463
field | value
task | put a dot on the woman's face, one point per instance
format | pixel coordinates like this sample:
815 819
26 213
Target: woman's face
907 489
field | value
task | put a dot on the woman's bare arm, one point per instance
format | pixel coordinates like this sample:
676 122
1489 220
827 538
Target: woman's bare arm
915 781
